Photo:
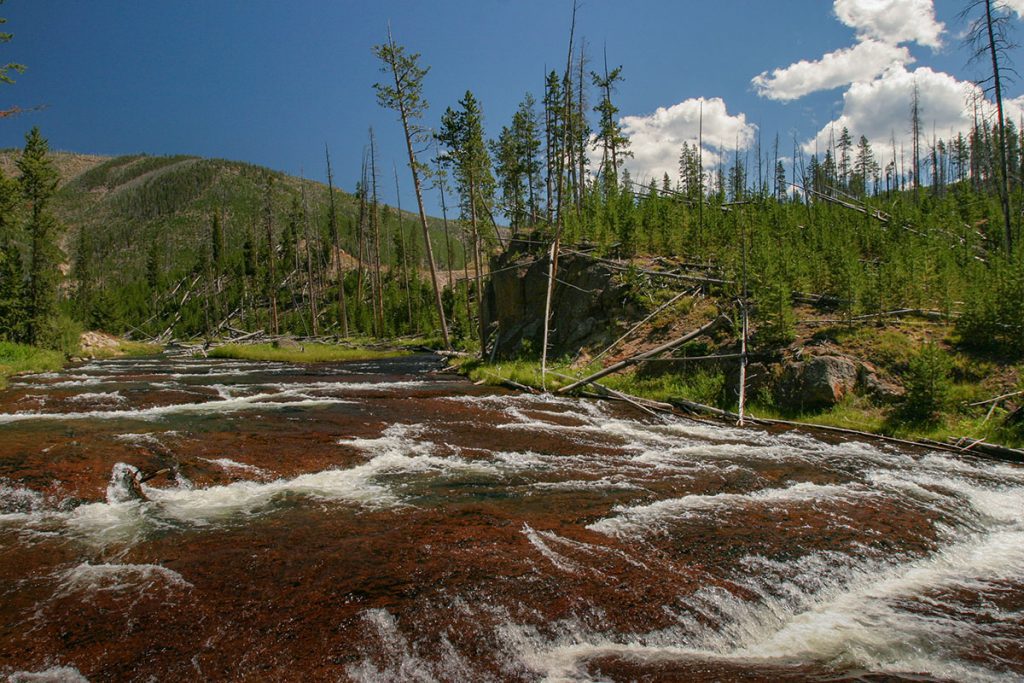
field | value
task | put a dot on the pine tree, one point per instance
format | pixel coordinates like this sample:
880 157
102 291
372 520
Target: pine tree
613 142
865 168
12 295
462 134
405 95
988 34
844 149
554 109
38 183
332 221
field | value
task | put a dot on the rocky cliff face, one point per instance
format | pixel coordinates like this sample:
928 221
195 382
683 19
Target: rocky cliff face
586 310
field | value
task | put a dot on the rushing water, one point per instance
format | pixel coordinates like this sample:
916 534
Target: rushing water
382 521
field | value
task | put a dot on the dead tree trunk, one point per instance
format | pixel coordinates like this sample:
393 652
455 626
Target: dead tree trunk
336 238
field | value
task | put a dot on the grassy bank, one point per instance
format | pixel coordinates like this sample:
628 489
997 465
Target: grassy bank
856 412
306 353
18 358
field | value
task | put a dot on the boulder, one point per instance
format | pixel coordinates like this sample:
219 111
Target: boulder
877 388
287 343
817 383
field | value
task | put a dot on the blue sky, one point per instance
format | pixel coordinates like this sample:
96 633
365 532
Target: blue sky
272 82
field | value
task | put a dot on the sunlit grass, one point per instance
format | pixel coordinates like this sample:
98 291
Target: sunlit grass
18 358
306 353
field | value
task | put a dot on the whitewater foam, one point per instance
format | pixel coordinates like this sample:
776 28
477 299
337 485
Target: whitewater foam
650 518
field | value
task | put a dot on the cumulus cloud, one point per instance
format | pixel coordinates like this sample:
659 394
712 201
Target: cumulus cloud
892 21
880 110
1015 5
881 26
862 62
656 139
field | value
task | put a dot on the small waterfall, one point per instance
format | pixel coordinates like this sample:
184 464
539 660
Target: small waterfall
124 485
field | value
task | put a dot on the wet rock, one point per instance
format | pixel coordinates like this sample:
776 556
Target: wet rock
124 486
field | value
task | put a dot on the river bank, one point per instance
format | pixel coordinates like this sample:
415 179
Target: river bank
960 424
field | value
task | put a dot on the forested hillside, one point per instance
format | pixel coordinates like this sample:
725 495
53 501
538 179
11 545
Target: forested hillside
177 245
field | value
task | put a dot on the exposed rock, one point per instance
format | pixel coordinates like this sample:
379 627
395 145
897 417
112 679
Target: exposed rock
287 343
880 390
586 310
91 342
819 382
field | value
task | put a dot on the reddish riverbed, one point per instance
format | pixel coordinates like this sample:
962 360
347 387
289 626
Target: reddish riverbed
381 521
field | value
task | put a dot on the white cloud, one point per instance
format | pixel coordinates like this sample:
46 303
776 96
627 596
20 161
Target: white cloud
892 21
880 110
657 139
1015 5
862 62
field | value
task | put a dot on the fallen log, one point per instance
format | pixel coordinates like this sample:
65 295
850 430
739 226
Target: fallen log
989 449
615 367
997 399
642 323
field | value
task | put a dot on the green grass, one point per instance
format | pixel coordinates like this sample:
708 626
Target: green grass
307 353
18 358
860 414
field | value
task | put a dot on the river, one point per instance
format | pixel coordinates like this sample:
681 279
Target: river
387 521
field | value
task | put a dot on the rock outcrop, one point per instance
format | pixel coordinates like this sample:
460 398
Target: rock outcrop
587 308
823 381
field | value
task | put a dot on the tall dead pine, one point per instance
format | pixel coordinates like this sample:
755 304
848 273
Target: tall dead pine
405 95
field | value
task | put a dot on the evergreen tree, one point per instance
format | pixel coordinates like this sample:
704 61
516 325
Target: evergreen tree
462 135
989 35
405 95
12 295
865 168
610 139
844 150
38 183
554 115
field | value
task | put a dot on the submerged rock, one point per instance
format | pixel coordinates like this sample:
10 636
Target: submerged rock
124 486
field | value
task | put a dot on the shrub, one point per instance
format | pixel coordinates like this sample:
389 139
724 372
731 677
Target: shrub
928 386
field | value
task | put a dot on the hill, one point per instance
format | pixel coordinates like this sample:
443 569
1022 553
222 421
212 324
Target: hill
138 225
128 203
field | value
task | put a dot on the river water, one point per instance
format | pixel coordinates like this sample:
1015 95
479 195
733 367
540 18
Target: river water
385 521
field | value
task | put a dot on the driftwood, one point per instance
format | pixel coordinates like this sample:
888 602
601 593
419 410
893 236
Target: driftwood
655 273
717 356
878 215
980 447
615 367
166 334
997 399
552 273
694 407
645 405
743 358
691 406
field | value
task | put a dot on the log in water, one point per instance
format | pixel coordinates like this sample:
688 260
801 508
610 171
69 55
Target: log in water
380 521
